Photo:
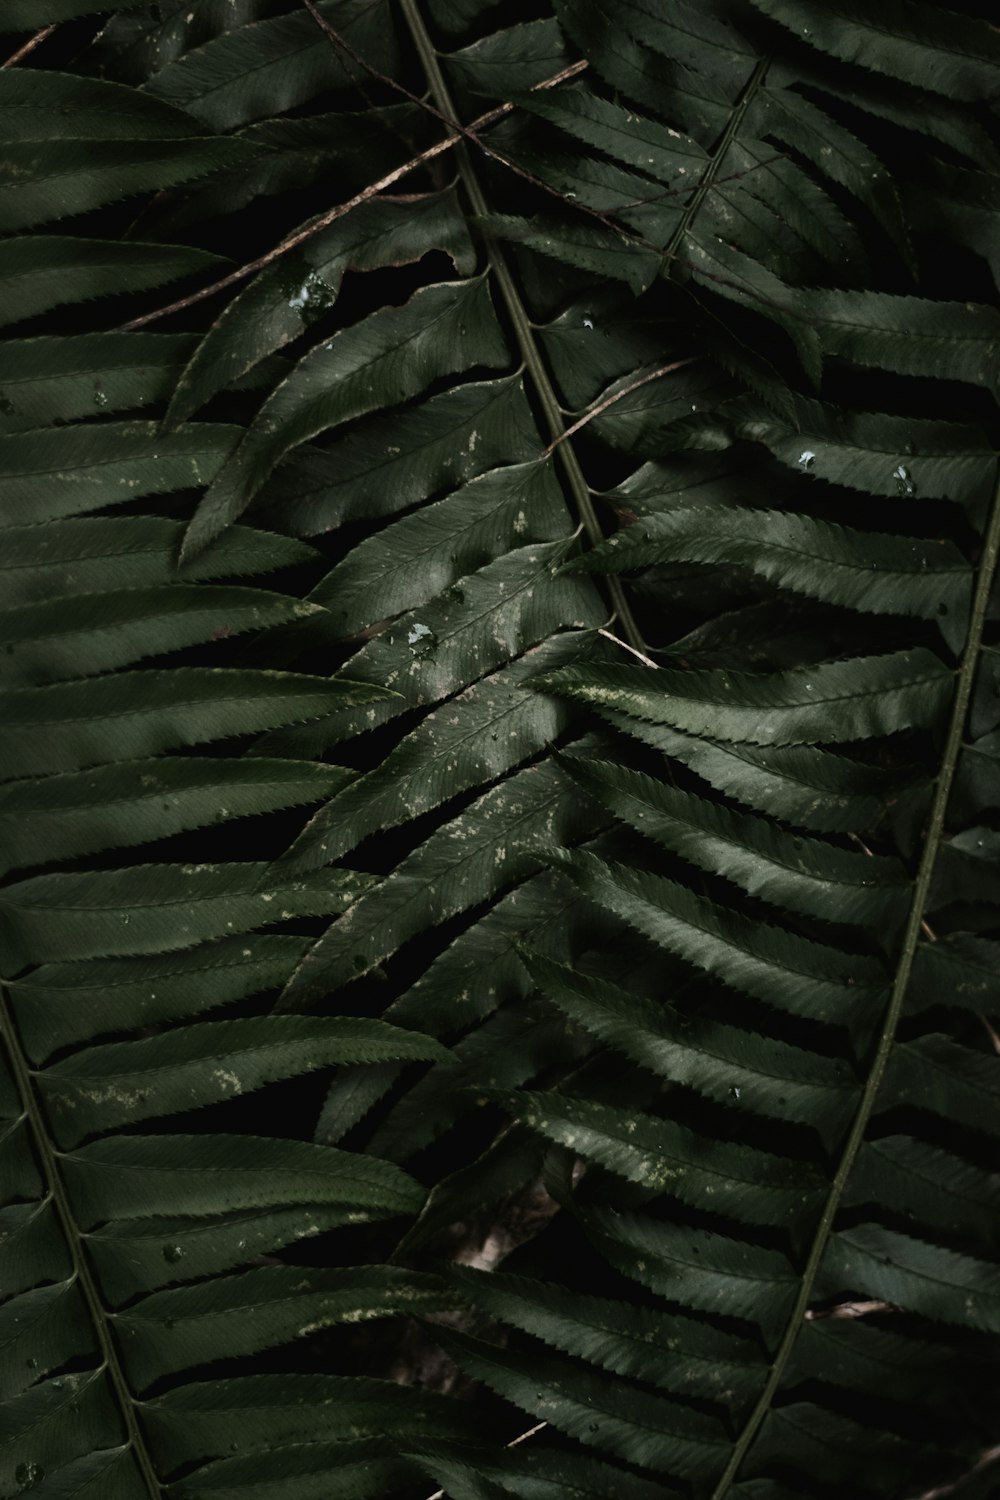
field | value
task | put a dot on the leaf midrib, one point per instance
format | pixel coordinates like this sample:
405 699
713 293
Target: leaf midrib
73 1236
922 886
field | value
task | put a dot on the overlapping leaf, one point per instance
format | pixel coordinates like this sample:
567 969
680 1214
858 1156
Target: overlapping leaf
645 928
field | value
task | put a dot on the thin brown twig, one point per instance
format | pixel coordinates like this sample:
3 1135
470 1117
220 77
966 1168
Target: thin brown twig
325 220
470 133
849 1310
647 660
989 1456
456 134
343 45
716 182
29 46
602 406
440 1494
526 1435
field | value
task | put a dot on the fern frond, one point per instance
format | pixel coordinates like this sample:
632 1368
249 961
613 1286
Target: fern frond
498 750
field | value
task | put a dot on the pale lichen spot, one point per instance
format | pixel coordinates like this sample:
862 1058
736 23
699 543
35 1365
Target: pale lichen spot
113 1094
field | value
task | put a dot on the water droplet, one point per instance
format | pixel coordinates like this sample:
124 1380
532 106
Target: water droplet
100 397
7 406
126 919
28 1474
421 640
312 298
942 609
588 322
32 1364
172 1254
591 1426
807 459
904 480
734 1092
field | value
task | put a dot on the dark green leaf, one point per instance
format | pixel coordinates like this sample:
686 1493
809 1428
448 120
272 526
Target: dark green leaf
914 41
914 1274
268 68
129 716
391 355
64 1003
289 296
805 556
39 272
733 1180
65 471
500 840
874 695
59 817
157 908
46 180
89 633
740 1069
624 1420
121 1083
803 875
22 15
80 555
176 1329
82 375
775 966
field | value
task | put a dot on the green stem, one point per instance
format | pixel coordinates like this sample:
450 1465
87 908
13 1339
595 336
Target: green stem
521 323
714 166
82 1273
911 937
